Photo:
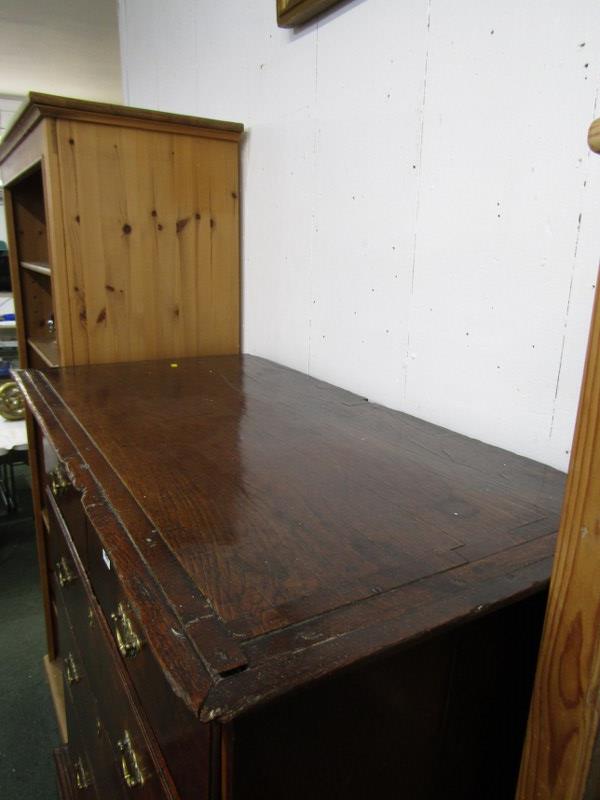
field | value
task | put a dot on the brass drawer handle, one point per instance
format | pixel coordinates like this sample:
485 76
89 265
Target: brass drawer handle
82 777
63 572
59 482
128 642
132 774
71 672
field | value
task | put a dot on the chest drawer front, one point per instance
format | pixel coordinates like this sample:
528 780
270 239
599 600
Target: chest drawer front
66 497
82 776
99 662
61 624
120 716
184 741
65 577
85 726
117 710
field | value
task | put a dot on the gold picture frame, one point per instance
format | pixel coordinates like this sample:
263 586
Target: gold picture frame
294 12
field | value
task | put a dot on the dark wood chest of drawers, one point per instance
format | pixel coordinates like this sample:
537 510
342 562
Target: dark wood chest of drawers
261 587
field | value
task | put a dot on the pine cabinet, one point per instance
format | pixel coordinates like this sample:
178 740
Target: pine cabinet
123 232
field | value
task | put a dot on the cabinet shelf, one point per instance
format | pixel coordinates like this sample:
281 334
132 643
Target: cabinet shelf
41 267
46 350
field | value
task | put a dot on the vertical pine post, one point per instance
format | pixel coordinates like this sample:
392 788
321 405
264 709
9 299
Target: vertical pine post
561 755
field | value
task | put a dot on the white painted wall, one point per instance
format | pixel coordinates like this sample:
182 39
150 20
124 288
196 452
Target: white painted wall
8 107
68 47
420 210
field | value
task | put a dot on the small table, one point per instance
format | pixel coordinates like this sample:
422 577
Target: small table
13 450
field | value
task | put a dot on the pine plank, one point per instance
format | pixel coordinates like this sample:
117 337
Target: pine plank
56 241
564 719
152 226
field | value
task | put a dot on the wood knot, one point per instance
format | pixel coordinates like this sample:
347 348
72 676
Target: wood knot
159 226
126 228
212 222
78 219
181 223
71 141
101 316
153 212
109 288
176 311
83 314
234 195
197 215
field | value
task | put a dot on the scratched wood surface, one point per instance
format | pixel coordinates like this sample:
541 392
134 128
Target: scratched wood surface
560 757
300 497
337 527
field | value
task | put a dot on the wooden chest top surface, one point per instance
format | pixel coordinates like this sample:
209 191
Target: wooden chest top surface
304 512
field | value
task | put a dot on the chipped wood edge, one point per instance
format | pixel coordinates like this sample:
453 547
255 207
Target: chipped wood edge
189 680
291 666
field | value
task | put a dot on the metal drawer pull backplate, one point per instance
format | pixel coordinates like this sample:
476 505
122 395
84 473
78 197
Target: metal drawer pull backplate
59 482
128 642
71 672
132 774
82 777
63 572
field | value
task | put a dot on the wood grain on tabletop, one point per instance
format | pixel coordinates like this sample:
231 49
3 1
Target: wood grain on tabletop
298 497
561 758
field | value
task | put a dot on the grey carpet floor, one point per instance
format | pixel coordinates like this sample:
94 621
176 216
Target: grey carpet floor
28 730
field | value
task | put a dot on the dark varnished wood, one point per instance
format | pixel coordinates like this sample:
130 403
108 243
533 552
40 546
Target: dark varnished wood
184 742
289 526
66 790
444 719
68 502
104 671
185 674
